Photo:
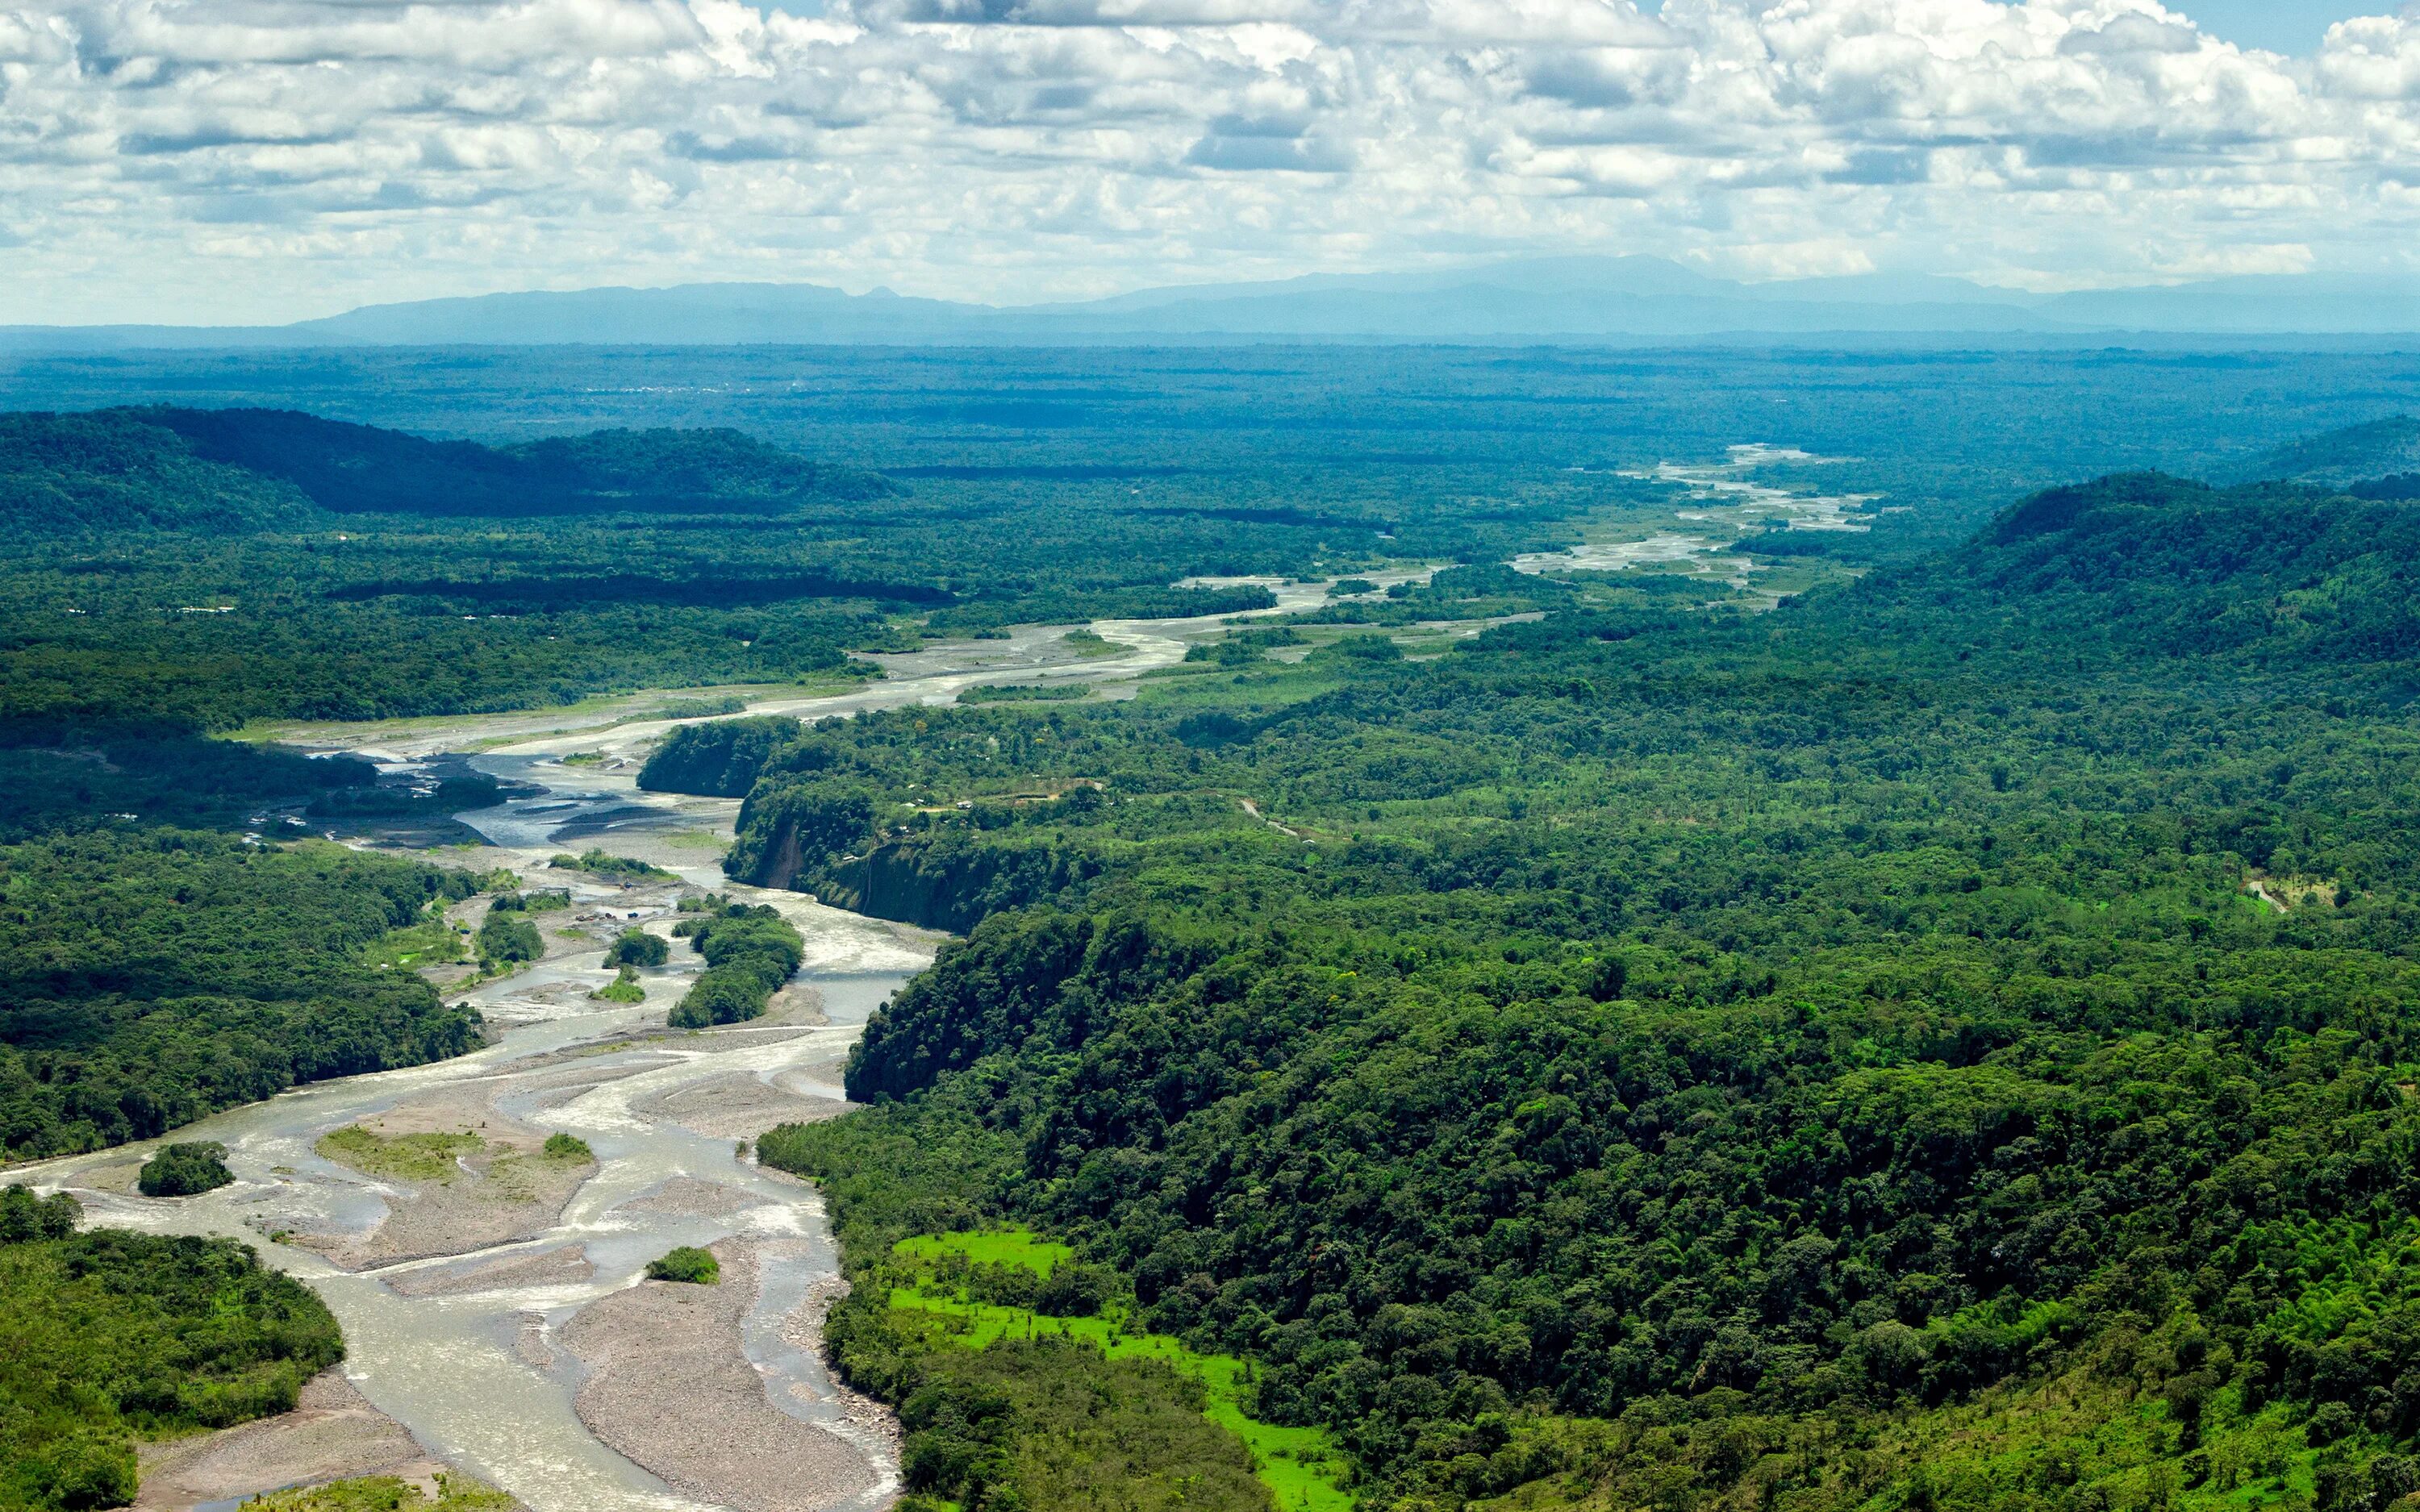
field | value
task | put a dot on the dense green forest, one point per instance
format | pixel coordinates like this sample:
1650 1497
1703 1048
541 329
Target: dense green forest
1941 1042
1946 1043
150 979
215 567
750 953
240 560
106 1335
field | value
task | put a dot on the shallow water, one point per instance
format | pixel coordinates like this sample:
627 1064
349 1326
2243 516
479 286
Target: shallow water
447 1367
1725 504
457 1369
476 1375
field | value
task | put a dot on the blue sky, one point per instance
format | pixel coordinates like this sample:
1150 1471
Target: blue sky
2282 26
239 161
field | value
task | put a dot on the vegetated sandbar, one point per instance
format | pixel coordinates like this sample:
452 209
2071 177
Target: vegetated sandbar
503 1190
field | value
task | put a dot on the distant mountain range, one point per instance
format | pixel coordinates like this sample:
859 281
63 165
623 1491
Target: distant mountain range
1544 301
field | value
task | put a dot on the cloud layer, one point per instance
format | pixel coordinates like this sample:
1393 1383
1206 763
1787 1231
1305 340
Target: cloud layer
245 160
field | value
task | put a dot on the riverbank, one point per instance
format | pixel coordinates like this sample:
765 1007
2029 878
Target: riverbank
459 1290
334 1433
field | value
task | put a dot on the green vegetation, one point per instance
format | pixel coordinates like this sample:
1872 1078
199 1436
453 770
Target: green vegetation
563 1147
149 980
412 1157
1828 1059
24 1217
537 901
750 953
1026 693
1048 1422
183 1170
1940 1044
432 940
637 947
596 863
506 938
105 1336
1007 1285
625 988
385 1493
719 759
686 1263
1091 644
226 565
700 708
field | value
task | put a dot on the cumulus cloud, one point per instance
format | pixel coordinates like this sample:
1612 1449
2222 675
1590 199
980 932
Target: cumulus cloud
243 160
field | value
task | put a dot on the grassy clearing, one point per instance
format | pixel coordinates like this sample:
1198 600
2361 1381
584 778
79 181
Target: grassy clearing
1004 1247
1299 1465
432 941
416 1157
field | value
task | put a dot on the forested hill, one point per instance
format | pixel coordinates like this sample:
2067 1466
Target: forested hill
358 468
62 474
2276 574
1870 1055
2343 458
231 470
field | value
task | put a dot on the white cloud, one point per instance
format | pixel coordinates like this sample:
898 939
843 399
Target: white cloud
241 159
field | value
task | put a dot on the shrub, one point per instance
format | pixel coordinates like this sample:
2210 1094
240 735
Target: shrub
688 1263
637 947
624 988
183 1170
596 863
567 1147
1076 1291
504 937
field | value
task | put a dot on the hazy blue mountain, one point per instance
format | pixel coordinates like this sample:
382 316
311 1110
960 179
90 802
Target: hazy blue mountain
1526 300
2261 304
689 315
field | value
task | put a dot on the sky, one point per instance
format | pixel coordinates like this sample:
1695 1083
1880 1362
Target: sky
203 162
2292 26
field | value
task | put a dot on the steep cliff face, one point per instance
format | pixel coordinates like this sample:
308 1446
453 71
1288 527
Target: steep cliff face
951 883
782 867
784 832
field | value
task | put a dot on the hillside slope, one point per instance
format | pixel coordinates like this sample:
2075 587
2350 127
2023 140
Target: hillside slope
352 469
2340 459
2276 574
66 474
233 472
1869 1055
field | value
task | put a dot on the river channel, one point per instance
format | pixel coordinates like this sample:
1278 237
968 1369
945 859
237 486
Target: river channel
478 1370
472 1344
